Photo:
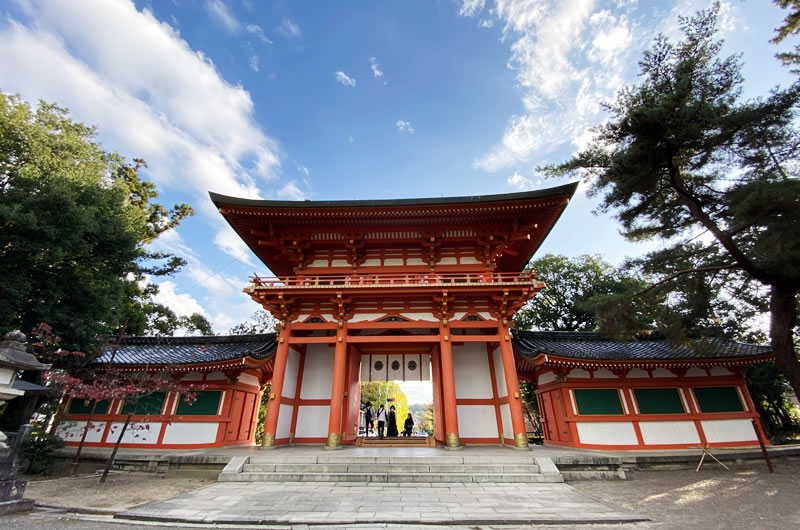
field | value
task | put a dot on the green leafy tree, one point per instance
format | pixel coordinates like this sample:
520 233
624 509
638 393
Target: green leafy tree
790 27
571 284
75 222
260 322
377 392
683 159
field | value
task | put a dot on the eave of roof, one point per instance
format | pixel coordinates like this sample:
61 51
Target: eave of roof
224 200
198 350
551 347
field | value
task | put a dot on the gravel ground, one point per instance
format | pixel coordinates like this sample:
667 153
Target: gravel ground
121 490
745 497
748 496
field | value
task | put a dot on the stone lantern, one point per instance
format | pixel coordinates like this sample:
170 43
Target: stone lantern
13 359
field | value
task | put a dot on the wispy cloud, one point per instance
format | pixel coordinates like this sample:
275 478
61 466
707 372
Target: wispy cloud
291 192
373 63
134 77
255 29
344 79
220 14
289 29
519 182
406 126
569 57
253 62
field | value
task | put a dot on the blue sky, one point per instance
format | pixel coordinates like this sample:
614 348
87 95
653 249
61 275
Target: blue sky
346 100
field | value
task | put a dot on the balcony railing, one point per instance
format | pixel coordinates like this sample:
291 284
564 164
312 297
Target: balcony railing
395 280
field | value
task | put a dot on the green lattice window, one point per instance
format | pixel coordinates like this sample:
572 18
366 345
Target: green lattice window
598 401
718 399
206 404
147 405
658 401
80 406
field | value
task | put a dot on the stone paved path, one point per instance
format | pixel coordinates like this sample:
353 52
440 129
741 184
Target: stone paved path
343 503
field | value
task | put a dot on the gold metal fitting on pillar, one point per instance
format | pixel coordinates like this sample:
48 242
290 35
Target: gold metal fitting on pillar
269 440
291 437
333 440
451 440
521 440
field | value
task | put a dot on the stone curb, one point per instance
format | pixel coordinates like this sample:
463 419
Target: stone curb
80 509
420 521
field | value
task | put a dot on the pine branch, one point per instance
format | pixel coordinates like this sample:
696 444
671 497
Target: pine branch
688 271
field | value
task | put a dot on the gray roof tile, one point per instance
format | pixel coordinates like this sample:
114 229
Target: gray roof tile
586 345
190 350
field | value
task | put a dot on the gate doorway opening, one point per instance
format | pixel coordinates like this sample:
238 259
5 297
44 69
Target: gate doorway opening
409 396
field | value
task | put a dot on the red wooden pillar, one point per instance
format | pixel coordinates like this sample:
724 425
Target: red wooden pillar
337 390
512 386
448 389
276 387
436 383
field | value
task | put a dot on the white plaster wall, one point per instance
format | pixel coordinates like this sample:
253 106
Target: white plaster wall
191 433
471 371
415 261
694 371
604 373
284 421
717 431
312 421
419 316
499 375
71 431
318 263
577 373
669 432
136 433
607 433
192 376
505 416
637 373
339 263
720 370
663 372
546 377
249 379
395 375
290 375
477 421
317 372
216 376
365 317
372 262
469 260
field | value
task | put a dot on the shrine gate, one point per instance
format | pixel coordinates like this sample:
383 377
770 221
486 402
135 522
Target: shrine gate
395 287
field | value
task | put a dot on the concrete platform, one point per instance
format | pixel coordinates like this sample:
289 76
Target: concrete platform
348 503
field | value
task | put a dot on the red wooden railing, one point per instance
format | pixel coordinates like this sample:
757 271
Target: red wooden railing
383 280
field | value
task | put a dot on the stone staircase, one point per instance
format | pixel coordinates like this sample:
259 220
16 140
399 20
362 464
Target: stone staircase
400 441
523 468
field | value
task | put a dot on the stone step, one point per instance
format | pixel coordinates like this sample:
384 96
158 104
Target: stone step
273 459
388 477
390 468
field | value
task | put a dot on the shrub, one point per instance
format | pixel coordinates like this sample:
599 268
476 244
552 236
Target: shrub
38 452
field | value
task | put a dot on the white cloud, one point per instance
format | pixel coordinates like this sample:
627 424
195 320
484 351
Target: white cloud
406 126
350 139
135 78
519 182
291 192
486 23
568 57
220 14
290 29
253 62
255 29
303 169
344 79
373 64
183 304
233 245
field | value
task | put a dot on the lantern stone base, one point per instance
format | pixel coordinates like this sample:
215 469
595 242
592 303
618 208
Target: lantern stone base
11 489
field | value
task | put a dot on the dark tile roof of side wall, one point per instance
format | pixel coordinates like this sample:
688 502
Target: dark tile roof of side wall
190 350
591 346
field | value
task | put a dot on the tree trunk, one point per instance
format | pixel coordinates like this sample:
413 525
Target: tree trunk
783 316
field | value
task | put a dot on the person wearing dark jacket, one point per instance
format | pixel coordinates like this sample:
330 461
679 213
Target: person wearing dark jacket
381 420
391 428
408 425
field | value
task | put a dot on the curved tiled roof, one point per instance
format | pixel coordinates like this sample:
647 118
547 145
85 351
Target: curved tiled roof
585 345
190 350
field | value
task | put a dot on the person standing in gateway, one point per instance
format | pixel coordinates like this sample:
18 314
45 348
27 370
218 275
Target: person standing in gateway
381 420
391 428
369 418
